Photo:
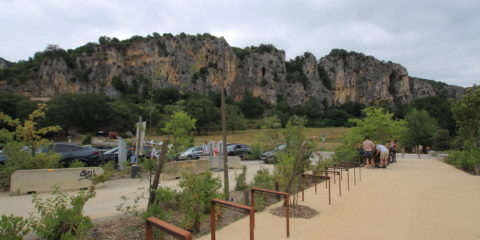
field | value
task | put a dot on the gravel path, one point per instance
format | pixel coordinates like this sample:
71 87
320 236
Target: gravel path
412 199
109 196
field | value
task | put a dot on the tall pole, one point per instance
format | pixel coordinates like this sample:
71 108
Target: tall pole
224 136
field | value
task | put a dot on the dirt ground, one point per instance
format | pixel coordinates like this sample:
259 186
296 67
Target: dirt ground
412 199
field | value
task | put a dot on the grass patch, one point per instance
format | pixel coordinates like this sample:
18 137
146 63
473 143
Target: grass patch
333 137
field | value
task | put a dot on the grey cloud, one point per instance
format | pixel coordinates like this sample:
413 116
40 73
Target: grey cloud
433 39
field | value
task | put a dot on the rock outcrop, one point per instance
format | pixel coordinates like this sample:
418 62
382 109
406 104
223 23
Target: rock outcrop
4 63
199 63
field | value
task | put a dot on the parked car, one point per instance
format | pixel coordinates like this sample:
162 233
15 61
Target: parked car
191 153
72 152
112 154
270 156
235 149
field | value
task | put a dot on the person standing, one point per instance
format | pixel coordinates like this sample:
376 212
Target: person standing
369 147
393 150
206 149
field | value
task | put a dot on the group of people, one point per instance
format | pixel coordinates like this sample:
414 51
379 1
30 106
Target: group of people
378 156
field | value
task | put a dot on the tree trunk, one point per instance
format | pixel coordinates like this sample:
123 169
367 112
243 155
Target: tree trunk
156 179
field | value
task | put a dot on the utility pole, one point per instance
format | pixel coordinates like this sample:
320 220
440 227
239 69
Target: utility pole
226 190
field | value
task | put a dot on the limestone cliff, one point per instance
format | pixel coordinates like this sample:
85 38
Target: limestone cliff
198 63
4 63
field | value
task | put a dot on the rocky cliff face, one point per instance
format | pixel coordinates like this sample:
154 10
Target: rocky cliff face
198 63
4 63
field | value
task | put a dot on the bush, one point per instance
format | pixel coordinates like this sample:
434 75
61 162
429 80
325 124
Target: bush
468 159
61 217
198 190
165 201
241 180
76 164
255 152
87 139
108 171
262 179
14 228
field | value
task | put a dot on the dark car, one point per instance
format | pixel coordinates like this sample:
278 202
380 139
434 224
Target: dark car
235 149
71 152
270 156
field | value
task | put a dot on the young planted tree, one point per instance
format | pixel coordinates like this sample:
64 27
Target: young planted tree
180 128
198 190
271 135
23 144
292 163
378 124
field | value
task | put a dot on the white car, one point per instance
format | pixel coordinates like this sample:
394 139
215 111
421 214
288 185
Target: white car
191 153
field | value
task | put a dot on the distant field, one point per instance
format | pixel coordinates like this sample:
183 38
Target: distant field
333 137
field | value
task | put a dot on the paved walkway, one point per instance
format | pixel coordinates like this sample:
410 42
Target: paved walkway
412 199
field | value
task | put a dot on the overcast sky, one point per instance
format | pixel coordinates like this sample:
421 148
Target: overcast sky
437 40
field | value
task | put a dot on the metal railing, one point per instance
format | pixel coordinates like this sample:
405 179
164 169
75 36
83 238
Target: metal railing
234 206
326 173
166 228
315 176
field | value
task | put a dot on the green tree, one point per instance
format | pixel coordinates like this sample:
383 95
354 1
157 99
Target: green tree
62 111
179 128
439 108
23 144
27 131
15 105
466 111
420 129
441 140
252 107
93 112
235 118
123 116
378 124
202 109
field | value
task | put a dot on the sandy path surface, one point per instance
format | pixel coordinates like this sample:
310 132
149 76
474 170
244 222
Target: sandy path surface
107 198
412 199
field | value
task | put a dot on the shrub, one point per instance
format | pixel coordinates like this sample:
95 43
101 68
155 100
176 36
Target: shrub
165 201
61 217
468 159
76 164
108 171
255 152
241 180
87 139
198 190
262 179
14 228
